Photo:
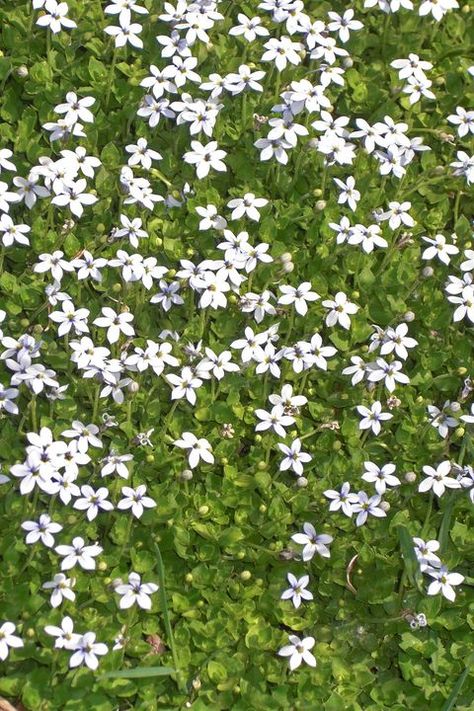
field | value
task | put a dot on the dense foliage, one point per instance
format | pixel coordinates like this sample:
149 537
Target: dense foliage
237 305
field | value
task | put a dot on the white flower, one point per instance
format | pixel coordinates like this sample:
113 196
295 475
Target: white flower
41 530
205 157
77 109
70 317
136 500
281 51
86 651
464 120
372 417
127 32
8 639
312 542
366 506
299 651
184 385
55 18
93 501
398 214
381 477
294 457
438 479
78 552
439 248
298 296
249 28
388 372
342 499
277 420
66 638
61 587
198 449
348 193
115 323
13 233
339 310
425 553
210 218
135 592
115 463
443 582
297 590
248 205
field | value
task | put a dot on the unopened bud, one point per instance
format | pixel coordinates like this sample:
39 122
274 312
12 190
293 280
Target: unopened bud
245 575
320 205
385 506
186 475
347 62
409 316
133 387
301 482
427 272
285 257
410 477
288 267
22 72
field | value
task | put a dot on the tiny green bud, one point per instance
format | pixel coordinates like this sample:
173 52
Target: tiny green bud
150 458
337 445
461 371
262 508
261 466
459 432
102 565
117 288
245 575
203 510
100 228
30 633
24 323
258 438
171 273
189 577
158 242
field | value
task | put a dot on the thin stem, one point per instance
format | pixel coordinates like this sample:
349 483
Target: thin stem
110 79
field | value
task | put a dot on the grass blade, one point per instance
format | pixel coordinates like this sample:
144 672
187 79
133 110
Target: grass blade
166 616
451 700
138 673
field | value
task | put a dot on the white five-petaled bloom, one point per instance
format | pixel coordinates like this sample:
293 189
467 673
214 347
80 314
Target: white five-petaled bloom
443 582
298 296
78 552
281 51
184 385
249 27
299 650
141 154
61 587
276 420
66 638
371 417
70 317
294 457
86 651
388 372
312 542
297 590
8 639
135 592
13 233
381 477
55 17
93 501
348 192
439 249
115 323
464 120
136 500
41 530
72 195
342 499
205 157
127 32
197 449
339 310
425 553
438 479
365 506
397 214
248 205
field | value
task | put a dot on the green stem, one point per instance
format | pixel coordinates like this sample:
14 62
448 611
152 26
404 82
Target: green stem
110 79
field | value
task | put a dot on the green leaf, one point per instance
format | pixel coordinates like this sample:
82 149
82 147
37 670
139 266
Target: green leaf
410 561
138 673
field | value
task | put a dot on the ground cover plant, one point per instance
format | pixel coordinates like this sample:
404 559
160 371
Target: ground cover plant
236 406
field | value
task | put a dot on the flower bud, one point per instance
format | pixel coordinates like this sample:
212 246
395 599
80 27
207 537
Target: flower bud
30 633
385 506
150 458
410 477
102 565
189 577
461 371
133 387
186 475
301 482
286 257
313 143
459 432
320 205
245 575
455 406
409 316
288 267
203 510
116 288
438 170
261 466
427 272
262 508
22 72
